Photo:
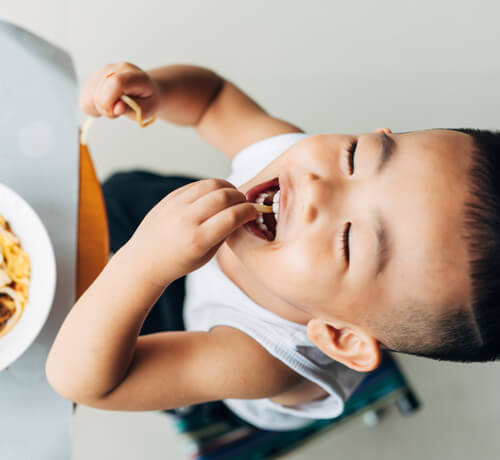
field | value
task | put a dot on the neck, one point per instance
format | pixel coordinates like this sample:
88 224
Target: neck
246 281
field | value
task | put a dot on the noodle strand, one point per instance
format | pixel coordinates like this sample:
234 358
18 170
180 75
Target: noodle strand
131 103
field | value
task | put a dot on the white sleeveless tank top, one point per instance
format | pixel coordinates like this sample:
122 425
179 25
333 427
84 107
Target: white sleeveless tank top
212 299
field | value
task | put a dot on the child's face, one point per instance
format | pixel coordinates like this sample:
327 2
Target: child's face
405 217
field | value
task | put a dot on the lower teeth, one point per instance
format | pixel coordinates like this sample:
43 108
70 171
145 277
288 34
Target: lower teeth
263 226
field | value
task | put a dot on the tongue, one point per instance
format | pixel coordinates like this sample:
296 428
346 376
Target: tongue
270 222
268 200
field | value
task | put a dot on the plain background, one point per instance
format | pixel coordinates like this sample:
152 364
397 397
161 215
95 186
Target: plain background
327 66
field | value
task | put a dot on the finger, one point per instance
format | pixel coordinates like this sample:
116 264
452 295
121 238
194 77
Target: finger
89 90
217 228
114 84
213 203
191 192
87 106
107 94
204 187
102 100
120 108
148 106
134 83
140 88
180 190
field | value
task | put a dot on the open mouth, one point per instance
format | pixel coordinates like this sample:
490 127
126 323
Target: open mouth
267 193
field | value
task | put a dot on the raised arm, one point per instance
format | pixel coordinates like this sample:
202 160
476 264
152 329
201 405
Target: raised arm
223 115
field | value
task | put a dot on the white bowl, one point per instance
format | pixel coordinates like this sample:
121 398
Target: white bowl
35 240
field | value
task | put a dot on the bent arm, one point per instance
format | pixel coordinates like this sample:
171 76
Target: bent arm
175 369
224 116
98 359
95 344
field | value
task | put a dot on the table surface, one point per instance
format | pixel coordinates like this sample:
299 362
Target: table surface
40 145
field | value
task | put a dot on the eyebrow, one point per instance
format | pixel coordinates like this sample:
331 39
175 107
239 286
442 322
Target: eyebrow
383 244
383 241
388 148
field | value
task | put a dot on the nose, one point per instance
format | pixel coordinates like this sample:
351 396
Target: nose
310 204
322 196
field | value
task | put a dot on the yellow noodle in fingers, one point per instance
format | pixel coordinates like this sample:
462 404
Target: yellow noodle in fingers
84 135
263 208
138 111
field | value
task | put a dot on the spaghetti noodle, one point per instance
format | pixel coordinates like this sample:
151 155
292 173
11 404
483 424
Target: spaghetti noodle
131 103
15 272
263 208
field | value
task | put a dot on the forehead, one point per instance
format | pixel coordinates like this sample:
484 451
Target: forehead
425 191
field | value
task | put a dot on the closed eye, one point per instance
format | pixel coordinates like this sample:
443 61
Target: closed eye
350 157
345 241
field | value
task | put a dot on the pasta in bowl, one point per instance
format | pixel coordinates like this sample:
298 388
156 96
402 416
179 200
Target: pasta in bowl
15 274
27 276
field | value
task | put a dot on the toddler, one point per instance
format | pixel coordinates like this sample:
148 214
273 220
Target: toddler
376 241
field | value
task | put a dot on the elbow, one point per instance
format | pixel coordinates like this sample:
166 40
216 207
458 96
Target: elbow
216 87
59 380
67 385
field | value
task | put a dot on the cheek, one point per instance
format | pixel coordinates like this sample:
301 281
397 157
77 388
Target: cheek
300 273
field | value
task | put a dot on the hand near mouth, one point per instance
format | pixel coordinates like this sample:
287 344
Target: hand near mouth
185 229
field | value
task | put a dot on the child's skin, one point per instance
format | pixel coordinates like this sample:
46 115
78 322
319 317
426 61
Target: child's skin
98 359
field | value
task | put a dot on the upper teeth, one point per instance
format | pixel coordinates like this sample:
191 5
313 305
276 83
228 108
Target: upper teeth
276 203
276 206
260 199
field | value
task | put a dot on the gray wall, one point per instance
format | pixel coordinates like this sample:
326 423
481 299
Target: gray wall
328 66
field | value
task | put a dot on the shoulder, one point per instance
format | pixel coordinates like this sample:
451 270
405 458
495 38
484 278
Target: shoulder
254 372
262 375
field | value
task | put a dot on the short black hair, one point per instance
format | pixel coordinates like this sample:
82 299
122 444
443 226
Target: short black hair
461 334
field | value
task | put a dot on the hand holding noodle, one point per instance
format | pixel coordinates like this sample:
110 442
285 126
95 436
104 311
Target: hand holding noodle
185 229
102 94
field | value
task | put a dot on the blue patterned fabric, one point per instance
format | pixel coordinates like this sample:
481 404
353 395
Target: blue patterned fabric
212 432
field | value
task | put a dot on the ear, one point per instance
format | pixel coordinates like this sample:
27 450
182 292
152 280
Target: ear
383 130
349 346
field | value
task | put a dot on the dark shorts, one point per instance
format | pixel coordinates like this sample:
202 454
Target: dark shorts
129 196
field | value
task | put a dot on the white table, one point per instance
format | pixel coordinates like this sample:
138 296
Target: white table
39 144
